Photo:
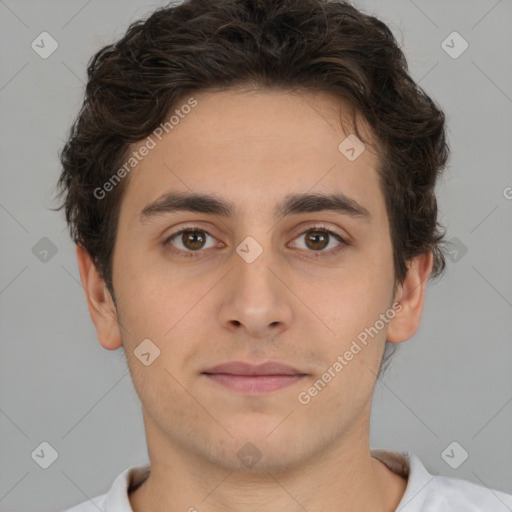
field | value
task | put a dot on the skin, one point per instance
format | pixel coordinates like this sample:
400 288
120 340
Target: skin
253 147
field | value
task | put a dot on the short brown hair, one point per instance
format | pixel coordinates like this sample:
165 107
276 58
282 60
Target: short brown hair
315 45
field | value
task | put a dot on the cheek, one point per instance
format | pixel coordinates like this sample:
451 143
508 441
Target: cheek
147 305
355 300
164 309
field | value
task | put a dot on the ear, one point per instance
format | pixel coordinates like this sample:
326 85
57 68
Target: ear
99 301
411 295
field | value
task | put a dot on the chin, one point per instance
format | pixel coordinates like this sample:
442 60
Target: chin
257 450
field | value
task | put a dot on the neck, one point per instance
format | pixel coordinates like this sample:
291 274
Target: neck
341 477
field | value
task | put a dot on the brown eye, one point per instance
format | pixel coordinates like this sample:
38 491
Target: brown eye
193 240
189 240
319 238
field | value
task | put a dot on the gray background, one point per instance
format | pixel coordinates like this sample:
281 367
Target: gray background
451 382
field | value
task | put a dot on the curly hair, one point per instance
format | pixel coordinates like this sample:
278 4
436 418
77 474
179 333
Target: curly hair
198 45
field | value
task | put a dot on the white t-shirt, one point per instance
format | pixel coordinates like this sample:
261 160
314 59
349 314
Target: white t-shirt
424 493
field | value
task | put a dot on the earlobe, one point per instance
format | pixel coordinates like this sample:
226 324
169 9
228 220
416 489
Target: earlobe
99 302
411 295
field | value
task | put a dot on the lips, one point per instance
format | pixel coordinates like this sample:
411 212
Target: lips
242 368
253 379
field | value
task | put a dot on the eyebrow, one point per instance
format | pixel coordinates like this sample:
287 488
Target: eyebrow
291 204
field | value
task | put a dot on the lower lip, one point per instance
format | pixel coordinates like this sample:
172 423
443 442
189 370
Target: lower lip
254 384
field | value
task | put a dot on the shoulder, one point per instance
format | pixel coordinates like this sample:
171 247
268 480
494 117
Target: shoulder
116 499
468 496
428 492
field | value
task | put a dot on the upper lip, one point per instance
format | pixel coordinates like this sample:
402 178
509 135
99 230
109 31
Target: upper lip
243 368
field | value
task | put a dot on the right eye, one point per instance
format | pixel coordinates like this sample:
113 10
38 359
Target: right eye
191 240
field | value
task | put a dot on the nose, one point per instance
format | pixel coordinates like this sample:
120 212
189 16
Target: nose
256 297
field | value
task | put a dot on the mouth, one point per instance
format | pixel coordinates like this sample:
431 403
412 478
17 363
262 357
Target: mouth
254 379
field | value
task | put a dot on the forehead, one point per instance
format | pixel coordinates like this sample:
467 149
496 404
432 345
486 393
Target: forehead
256 146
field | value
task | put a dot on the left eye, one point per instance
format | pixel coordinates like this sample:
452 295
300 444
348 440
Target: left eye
318 239
193 240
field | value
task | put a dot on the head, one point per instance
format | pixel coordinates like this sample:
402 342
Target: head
251 103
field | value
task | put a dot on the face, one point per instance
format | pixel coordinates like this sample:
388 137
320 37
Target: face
260 276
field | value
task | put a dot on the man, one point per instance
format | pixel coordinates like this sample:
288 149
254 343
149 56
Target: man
250 185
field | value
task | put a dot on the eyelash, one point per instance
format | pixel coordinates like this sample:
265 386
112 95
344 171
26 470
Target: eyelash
194 254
